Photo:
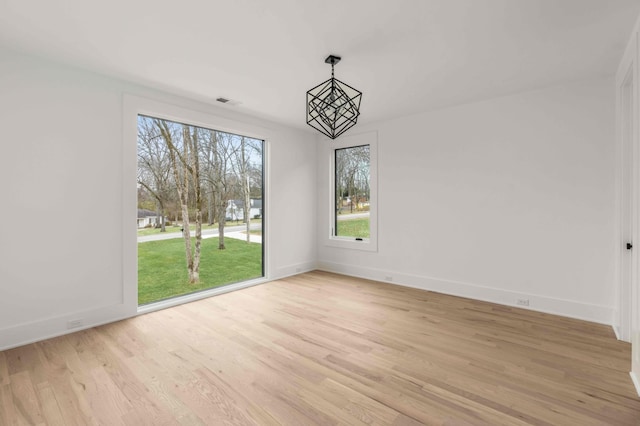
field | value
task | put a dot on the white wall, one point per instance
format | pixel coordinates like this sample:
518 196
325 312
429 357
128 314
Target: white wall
62 201
497 200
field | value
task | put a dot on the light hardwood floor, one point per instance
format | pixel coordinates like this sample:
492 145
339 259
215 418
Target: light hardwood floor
320 348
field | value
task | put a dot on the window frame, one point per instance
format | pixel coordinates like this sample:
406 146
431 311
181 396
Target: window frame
134 105
366 244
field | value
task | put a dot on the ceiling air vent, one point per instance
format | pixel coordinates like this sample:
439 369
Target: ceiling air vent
227 101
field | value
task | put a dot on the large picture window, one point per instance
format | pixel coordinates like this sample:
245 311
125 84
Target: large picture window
353 192
200 208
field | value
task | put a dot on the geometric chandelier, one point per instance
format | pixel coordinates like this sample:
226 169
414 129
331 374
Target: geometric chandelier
333 107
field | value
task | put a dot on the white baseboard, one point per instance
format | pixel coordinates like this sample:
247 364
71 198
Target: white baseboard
26 333
636 381
290 270
22 334
616 330
567 308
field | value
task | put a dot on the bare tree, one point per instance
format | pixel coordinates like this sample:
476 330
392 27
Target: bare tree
193 166
217 146
154 171
352 175
242 169
207 147
184 158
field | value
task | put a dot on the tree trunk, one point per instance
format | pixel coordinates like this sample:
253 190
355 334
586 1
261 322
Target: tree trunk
187 240
222 212
246 189
350 198
220 203
247 209
210 213
355 196
182 187
160 214
195 176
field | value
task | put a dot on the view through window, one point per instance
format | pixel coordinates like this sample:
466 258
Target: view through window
352 192
200 209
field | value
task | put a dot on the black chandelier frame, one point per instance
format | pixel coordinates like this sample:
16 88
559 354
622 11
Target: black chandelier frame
333 107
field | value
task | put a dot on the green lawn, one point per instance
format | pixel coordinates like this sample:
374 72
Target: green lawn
354 227
162 270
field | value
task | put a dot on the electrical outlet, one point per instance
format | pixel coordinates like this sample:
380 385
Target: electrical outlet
388 278
74 323
522 302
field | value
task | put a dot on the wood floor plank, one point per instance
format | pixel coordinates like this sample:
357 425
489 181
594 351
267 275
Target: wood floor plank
26 358
25 402
4 370
8 413
321 348
163 386
49 403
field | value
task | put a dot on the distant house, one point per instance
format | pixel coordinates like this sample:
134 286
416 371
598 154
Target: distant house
235 209
256 208
148 218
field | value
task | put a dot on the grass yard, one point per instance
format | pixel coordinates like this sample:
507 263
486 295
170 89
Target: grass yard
354 227
162 270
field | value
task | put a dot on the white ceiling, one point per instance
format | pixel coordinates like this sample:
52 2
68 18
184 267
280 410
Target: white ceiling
406 56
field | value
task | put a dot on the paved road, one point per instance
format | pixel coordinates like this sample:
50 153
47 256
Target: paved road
229 231
346 216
